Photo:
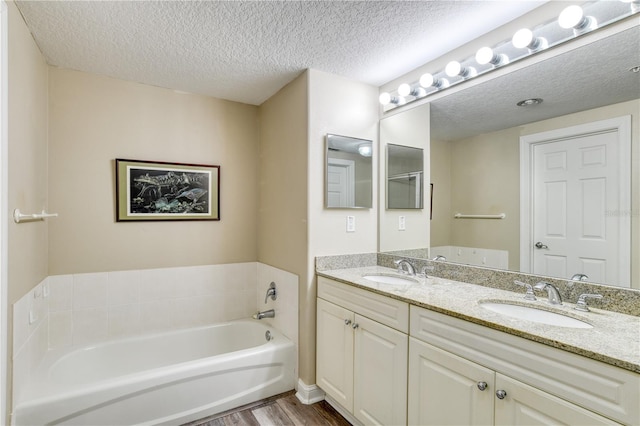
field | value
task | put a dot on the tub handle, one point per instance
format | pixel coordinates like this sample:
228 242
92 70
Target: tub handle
271 292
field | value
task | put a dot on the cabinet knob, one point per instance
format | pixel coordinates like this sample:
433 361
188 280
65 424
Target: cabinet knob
347 322
355 325
482 385
501 394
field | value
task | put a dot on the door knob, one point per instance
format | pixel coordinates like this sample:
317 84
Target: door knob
541 246
482 385
347 322
501 394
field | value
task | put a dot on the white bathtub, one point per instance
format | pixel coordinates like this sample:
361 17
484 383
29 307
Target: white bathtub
168 378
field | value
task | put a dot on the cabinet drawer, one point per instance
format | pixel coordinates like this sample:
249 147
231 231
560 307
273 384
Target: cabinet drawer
610 391
385 310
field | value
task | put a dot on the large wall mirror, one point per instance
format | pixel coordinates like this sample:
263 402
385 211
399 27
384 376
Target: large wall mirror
405 177
475 146
349 172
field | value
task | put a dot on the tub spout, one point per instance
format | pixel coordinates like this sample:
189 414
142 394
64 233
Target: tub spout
265 314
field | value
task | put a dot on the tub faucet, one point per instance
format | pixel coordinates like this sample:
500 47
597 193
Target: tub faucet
265 314
405 267
554 294
271 292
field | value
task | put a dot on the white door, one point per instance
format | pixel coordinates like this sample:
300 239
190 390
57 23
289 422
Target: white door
579 187
380 374
445 389
334 362
340 183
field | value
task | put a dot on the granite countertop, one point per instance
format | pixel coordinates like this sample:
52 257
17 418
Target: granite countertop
614 338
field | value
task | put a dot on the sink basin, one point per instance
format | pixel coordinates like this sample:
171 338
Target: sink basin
530 313
389 279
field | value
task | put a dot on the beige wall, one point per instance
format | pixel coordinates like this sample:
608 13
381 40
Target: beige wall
440 160
93 120
27 114
282 210
27 172
485 178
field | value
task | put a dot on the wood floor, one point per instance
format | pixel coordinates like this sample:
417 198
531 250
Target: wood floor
281 410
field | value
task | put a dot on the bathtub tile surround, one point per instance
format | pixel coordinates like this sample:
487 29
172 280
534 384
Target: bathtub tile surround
286 303
74 310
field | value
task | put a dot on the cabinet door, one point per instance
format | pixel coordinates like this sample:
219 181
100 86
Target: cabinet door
334 352
380 371
526 405
445 389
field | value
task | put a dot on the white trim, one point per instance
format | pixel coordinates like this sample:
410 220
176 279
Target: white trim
4 305
309 394
622 125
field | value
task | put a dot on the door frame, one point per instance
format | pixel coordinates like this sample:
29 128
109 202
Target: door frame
621 125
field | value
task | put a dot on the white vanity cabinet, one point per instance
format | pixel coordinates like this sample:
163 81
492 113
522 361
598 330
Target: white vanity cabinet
464 373
362 351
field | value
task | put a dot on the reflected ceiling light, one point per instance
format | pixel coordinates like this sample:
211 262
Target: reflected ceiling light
365 149
635 5
573 17
428 80
524 38
529 102
406 90
485 55
454 68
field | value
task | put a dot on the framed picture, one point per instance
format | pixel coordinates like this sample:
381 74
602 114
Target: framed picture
153 190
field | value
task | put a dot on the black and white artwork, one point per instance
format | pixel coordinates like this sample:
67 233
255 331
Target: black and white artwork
166 191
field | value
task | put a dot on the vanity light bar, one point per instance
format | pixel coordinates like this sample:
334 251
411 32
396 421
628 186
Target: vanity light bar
572 22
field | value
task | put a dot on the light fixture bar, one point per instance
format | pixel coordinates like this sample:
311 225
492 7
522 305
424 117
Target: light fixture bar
572 22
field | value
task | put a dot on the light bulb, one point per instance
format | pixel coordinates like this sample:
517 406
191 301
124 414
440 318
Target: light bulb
453 68
522 38
570 16
404 89
365 150
385 98
427 80
484 55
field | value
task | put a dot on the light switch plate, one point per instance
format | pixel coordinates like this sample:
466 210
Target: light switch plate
351 224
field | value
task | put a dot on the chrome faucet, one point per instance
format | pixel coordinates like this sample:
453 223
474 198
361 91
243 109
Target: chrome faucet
554 294
271 292
405 267
439 257
265 314
579 277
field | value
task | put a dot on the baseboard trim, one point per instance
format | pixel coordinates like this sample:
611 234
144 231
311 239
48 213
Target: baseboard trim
309 394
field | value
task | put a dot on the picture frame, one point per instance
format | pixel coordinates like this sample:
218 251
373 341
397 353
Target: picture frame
160 191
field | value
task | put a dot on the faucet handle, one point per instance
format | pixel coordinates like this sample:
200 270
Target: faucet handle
529 295
271 292
581 304
424 269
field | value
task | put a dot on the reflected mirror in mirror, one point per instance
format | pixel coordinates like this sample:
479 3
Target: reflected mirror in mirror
349 172
405 177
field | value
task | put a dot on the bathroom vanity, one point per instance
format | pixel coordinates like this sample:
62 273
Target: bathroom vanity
394 349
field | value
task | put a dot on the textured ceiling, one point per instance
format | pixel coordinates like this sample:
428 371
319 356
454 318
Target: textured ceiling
247 50
584 78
